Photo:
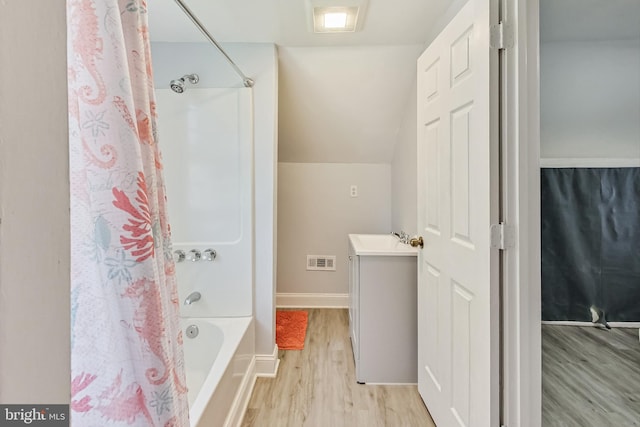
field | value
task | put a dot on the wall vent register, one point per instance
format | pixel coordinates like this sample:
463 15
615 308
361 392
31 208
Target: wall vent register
321 262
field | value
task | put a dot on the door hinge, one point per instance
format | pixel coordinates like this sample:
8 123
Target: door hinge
502 236
501 36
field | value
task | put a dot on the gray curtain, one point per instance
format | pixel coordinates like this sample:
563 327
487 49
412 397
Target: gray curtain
590 243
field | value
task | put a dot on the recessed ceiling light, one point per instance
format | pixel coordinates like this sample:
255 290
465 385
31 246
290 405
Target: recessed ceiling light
335 19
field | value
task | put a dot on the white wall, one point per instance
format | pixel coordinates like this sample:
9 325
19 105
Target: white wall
404 207
316 213
343 104
34 203
258 61
443 20
590 99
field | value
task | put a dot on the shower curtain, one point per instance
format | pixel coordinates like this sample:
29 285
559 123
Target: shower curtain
127 365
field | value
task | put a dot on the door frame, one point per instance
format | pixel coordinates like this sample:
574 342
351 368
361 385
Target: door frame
522 385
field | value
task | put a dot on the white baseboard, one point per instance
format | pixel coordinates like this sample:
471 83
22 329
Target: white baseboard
576 323
624 324
239 406
267 364
262 365
307 300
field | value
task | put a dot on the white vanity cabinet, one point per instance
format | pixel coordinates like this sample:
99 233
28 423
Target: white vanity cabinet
383 309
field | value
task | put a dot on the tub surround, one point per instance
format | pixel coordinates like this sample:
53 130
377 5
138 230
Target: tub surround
209 184
209 174
260 62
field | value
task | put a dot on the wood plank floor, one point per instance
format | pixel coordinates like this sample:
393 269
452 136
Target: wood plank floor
590 377
317 387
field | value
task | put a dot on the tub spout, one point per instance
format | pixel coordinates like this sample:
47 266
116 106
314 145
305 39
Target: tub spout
193 297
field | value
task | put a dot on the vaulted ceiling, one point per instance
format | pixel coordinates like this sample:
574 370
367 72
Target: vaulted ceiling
341 96
285 22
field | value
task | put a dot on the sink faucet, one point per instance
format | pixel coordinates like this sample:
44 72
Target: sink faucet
193 297
404 237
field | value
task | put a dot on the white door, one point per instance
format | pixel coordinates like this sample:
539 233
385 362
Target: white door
458 304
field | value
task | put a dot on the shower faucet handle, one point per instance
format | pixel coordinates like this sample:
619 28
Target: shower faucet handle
209 254
179 255
194 255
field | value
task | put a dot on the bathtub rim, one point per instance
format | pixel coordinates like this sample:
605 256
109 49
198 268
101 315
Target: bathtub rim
236 327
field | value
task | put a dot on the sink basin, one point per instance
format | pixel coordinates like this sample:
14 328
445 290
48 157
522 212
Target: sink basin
380 244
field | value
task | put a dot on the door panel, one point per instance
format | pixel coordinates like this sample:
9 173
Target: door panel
457 202
461 203
431 335
461 352
432 183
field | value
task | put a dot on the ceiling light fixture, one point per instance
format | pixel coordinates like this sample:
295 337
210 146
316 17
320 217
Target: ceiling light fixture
335 19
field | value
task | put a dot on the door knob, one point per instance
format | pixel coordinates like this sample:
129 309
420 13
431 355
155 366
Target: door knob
417 241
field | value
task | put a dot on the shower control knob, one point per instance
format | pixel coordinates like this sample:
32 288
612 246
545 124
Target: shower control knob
209 254
194 255
179 255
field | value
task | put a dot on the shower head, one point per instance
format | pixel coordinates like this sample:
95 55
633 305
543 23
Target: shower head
179 86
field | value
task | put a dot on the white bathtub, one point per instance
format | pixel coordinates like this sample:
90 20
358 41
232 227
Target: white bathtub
219 368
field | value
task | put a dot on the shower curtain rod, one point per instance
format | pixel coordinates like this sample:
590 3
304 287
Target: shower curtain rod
245 80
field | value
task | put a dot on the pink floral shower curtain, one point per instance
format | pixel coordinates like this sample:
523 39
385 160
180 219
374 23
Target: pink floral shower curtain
126 345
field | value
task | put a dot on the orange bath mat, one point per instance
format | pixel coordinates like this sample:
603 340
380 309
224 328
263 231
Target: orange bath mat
291 328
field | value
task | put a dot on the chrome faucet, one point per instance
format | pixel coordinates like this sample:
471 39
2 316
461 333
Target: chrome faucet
193 297
404 237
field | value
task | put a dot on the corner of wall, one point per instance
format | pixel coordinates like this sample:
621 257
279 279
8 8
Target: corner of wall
267 364
404 171
266 170
34 204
